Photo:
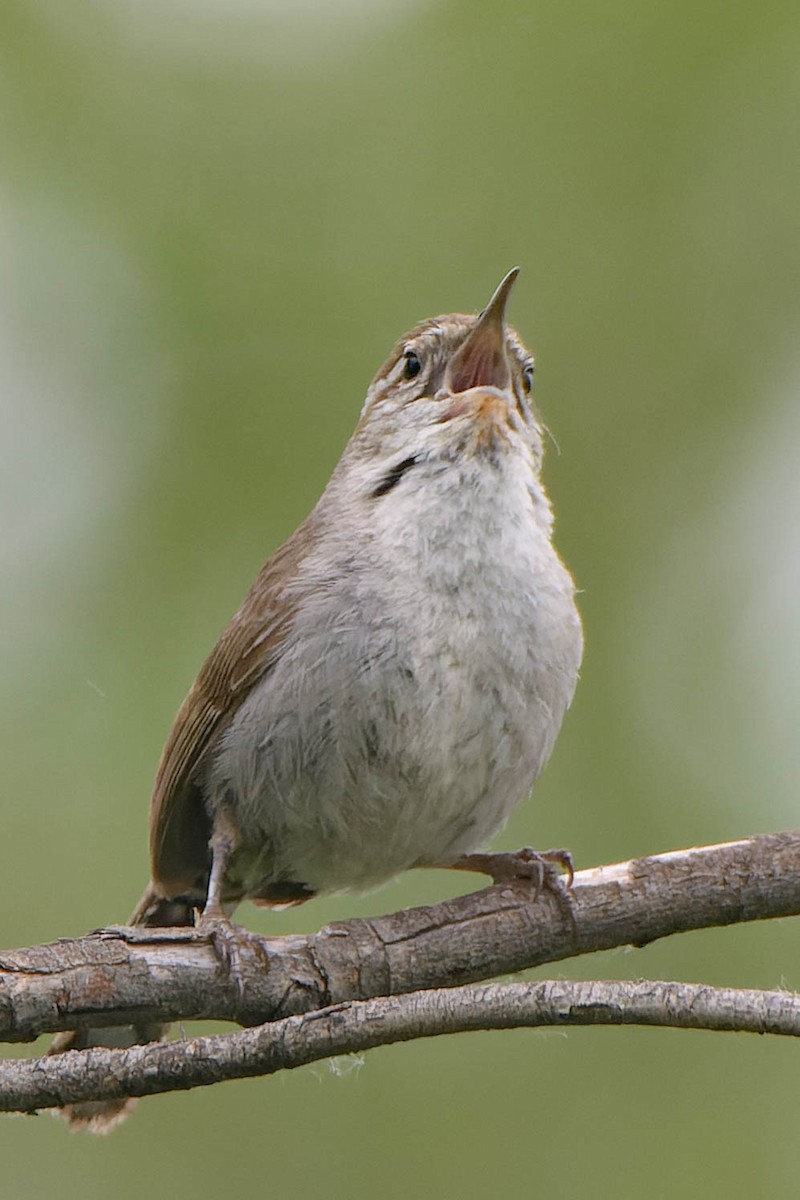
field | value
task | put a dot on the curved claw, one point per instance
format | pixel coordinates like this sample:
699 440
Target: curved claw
526 864
237 950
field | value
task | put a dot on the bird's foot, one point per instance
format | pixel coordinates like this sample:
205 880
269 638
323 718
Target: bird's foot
239 951
541 868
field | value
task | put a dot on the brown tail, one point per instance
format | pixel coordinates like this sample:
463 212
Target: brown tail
100 1116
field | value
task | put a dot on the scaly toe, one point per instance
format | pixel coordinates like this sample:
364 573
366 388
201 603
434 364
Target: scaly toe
528 865
238 950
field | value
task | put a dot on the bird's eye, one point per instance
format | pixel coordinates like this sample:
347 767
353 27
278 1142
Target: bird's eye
412 365
527 376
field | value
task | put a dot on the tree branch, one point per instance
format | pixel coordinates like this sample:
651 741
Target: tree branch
361 1025
142 975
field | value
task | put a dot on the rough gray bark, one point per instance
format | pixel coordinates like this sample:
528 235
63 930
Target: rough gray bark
346 978
361 1025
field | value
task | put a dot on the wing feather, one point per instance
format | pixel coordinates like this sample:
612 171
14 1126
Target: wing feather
179 823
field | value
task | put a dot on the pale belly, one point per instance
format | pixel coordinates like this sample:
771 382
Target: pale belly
365 751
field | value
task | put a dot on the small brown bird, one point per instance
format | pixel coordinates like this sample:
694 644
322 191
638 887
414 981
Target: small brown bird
397 675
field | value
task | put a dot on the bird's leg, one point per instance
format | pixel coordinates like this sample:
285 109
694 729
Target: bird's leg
224 841
232 944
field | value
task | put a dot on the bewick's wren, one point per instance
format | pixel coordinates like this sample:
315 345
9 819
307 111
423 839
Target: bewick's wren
397 675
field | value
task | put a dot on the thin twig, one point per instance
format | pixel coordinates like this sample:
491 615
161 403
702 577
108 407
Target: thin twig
362 1025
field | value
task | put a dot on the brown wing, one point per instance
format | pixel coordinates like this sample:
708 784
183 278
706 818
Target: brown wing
179 824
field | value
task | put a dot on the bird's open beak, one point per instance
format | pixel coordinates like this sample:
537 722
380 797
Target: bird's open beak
482 360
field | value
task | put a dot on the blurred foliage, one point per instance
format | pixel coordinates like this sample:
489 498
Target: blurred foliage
217 218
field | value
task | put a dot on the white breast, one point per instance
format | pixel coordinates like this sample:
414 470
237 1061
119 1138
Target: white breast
420 691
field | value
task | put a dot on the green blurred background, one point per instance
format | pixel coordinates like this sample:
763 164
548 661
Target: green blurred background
217 217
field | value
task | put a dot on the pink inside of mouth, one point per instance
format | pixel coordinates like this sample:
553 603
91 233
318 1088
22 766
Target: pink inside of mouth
482 367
